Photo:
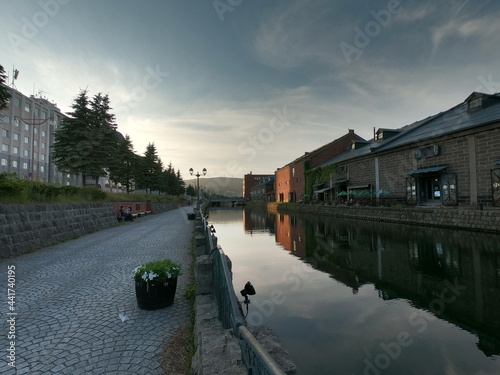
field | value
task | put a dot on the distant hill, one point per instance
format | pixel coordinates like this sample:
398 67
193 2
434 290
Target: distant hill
228 186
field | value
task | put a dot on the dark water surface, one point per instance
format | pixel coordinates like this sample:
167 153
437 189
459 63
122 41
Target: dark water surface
354 297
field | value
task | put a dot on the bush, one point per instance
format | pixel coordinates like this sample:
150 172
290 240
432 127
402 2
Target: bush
15 190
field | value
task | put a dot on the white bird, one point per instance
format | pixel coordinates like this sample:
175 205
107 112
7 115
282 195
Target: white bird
123 317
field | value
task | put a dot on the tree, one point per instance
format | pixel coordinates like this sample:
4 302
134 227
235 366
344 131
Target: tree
105 136
87 140
149 172
180 183
190 190
124 164
4 92
73 143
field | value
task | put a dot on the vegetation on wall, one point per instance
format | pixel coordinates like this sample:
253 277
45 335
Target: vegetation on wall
318 175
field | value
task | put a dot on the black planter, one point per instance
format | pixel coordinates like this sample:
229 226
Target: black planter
152 296
191 216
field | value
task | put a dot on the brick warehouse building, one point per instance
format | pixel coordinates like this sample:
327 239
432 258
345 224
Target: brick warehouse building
250 181
450 159
290 179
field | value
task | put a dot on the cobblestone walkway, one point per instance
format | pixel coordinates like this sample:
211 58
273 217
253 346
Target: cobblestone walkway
76 306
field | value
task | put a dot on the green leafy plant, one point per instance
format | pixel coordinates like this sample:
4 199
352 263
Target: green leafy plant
157 271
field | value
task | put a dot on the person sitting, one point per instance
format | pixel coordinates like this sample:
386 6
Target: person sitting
127 216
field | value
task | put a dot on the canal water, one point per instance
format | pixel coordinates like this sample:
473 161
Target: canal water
351 297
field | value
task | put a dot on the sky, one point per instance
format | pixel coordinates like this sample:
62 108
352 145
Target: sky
240 86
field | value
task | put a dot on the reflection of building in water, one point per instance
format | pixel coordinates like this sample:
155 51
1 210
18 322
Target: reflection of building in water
258 221
454 275
290 234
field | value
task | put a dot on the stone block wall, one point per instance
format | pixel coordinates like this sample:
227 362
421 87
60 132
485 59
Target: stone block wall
457 218
32 226
28 227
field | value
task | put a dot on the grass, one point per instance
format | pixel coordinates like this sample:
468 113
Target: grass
179 349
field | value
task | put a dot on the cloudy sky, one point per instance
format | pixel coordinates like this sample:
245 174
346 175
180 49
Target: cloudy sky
236 85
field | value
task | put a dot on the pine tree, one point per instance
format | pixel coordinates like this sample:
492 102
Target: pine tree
124 164
149 170
73 142
87 140
4 92
105 136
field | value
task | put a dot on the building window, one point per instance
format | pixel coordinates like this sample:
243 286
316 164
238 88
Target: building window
44 115
5 133
35 155
475 103
17 102
342 169
16 123
35 143
26 127
43 144
44 134
4 162
37 112
35 130
14 163
6 119
26 153
25 165
15 150
5 147
42 157
42 168
26 140
16 137
27 107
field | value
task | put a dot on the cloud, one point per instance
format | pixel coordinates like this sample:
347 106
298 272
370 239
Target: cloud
292 35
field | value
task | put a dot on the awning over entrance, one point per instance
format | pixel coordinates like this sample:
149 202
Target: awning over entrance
321 190
340 181
426 170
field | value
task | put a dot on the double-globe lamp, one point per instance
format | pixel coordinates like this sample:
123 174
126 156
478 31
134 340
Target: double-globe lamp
191 171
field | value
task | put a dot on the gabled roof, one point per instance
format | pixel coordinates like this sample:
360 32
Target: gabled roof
451 121
321 148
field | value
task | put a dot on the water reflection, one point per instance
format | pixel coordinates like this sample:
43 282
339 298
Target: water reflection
454 275
429 295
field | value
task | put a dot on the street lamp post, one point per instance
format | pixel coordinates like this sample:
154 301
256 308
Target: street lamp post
191 171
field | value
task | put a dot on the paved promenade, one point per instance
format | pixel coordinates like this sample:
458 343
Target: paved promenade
76 306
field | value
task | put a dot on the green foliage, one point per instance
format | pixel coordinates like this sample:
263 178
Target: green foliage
16 190
318 175
4 92
86 141
157 271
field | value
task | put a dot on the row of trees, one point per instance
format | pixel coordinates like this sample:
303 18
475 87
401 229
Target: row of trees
88 143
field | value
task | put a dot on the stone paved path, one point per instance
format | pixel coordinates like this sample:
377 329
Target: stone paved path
69 298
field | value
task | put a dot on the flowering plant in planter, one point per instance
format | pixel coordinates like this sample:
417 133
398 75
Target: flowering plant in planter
157 271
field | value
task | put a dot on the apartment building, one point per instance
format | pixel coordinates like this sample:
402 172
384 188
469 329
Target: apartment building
27 132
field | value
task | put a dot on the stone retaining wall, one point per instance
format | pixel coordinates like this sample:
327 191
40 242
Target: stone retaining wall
28 227
456 218
33 226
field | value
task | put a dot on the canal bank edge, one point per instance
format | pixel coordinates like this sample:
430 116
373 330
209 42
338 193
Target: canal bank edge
218 351
443 217
28 227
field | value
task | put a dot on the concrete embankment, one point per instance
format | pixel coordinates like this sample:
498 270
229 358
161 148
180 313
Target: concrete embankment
27 227
444 217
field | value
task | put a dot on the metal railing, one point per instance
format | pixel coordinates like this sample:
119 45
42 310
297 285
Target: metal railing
257 360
